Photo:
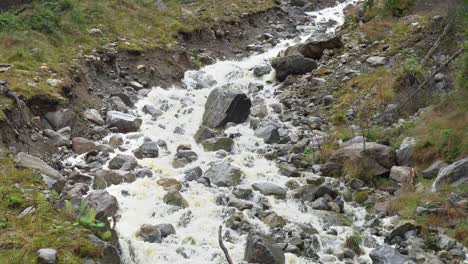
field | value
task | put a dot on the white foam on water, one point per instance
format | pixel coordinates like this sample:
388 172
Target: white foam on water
197 241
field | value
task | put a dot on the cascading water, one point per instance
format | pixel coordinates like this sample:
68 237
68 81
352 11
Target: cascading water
196 241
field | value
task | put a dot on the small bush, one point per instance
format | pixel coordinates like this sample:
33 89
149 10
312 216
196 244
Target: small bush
361 196
354 242
14 201
398 7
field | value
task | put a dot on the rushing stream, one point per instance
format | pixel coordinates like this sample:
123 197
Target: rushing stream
196 241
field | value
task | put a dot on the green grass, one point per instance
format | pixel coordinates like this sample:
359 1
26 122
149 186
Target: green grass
54 32
21 237
354 242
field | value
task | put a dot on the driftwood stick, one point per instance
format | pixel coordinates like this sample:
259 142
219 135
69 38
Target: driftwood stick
221 244
430 77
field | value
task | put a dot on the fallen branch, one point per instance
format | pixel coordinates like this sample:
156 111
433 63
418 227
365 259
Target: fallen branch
439 39
430 77
221 244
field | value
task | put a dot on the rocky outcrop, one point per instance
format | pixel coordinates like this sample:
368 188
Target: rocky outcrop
375 160
387 255
50 176
103 203
292 65
455 174
314 47
226 104
261 249
223 174
218 143
123 122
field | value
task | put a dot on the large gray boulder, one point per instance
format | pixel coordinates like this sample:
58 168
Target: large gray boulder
60 137
103 203
226 104
123 162
313 48
218 143
148 149
405 152
124 123
59 119
150 233
455 174
268 188
263 250
375 160
223 174
94 116
387 255
82 145
106 178
433 170
175 198
50 176
203 133
292 65
269 134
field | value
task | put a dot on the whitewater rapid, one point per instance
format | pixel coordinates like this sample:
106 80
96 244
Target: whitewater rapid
197 242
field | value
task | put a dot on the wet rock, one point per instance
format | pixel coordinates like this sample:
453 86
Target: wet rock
376 160
315 46
218 143
52 177
59 119
261 249
238 222
184 157
61 137
124 123
387 255
269 133
356 184
401 230
123 162
150 233
145 172
326 189
116 140
239 204
242 191
202 80
376 61
152 111
274 220
405 152
226 104
103 203
148 149
203 133
193 174
434 169
455 174
166 230
268 188
259 111
292 65
259 71
174 198
110 254
305 193
82 145
223 174
94 116
78 177
292 184
400 174
106 178
46 256
170 184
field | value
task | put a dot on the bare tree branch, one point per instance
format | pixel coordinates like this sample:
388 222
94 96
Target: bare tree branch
221 245
439 39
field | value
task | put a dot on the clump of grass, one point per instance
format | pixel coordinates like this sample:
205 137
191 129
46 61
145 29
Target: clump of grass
21 237
361 196
354 242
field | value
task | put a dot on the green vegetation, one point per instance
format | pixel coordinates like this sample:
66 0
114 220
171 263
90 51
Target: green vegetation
44 40
354 242
361 196
22 236
405 205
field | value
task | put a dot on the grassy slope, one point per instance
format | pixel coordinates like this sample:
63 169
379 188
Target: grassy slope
21 237
44 39
442 131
